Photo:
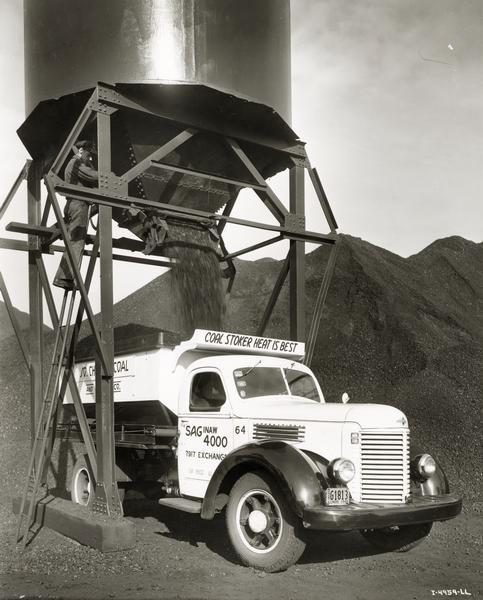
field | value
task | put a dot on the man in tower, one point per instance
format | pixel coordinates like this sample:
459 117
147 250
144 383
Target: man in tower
80 170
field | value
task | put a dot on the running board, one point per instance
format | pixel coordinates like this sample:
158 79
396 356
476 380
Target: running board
190 506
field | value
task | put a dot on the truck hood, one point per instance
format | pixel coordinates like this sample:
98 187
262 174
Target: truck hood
283 408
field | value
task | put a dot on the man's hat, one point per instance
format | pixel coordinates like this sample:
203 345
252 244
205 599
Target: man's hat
86 145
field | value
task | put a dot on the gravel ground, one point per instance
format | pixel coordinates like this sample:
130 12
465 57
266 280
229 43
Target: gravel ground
180 556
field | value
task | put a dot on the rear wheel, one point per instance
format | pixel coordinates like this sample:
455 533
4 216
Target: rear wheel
400 538
82 487
262 528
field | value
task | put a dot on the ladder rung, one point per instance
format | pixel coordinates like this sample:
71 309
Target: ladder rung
41 450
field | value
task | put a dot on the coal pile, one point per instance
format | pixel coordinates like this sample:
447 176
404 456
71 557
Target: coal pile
6 328
14 418
407 332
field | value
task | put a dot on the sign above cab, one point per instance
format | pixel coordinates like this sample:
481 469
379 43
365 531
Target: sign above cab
222 341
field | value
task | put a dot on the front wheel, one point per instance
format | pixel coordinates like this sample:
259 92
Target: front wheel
400 538
262 528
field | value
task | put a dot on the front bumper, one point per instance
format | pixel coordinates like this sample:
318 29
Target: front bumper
421 509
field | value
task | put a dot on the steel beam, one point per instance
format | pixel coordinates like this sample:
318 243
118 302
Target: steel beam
45 214
107 495
105 199
324 202
226 213
29 229
210 176
297 259
36 330
79 408
159 154
267 195
9 244
277 288
273 240
73 136
13 190
52 387
77 276
319 305
15 324
231 267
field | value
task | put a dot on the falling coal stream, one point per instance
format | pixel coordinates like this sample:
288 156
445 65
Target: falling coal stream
196 283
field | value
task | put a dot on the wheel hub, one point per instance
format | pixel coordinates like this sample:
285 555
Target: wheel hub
257 521
82 485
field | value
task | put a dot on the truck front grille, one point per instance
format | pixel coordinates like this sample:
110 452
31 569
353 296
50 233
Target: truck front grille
385 466
286 433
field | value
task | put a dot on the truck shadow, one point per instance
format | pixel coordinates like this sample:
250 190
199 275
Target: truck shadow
184 527
322 547
326 546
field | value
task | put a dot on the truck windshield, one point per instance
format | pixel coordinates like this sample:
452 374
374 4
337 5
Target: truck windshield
275 381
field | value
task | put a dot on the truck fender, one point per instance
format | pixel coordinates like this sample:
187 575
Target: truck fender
436 485
296 474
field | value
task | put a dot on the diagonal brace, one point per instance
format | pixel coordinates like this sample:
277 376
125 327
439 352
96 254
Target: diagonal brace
13 190
277 288
323 200
267 195
160 153
73 135
268 242
99 197
77 277
79 408
226 213
319 305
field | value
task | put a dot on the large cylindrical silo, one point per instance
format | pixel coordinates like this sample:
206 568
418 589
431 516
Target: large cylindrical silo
154 51
242 46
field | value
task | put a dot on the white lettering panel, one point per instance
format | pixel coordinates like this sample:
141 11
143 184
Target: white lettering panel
203 443
253 344
124 383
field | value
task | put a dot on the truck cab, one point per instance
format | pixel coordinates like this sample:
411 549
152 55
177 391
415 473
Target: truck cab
238 423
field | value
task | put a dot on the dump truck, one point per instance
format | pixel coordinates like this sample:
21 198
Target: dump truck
237 423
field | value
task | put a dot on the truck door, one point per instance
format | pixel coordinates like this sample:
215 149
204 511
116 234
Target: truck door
205 428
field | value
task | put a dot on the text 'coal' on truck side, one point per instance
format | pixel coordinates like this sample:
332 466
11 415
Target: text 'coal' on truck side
235 423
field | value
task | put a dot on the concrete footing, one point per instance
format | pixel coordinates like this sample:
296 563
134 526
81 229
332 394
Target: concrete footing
81 524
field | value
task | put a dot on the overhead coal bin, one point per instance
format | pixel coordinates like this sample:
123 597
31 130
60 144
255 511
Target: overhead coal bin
242 47
216 61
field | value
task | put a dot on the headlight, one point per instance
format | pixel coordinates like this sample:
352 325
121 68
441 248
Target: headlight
426 466
342 470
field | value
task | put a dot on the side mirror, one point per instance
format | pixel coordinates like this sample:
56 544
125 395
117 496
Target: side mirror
345 398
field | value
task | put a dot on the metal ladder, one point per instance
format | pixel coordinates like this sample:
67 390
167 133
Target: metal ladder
45 432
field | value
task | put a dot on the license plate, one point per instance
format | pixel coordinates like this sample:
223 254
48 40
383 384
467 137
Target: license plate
336 496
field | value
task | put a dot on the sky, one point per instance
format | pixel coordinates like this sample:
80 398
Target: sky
386 93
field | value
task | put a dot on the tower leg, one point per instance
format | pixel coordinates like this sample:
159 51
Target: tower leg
107 495
35 299
297 259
